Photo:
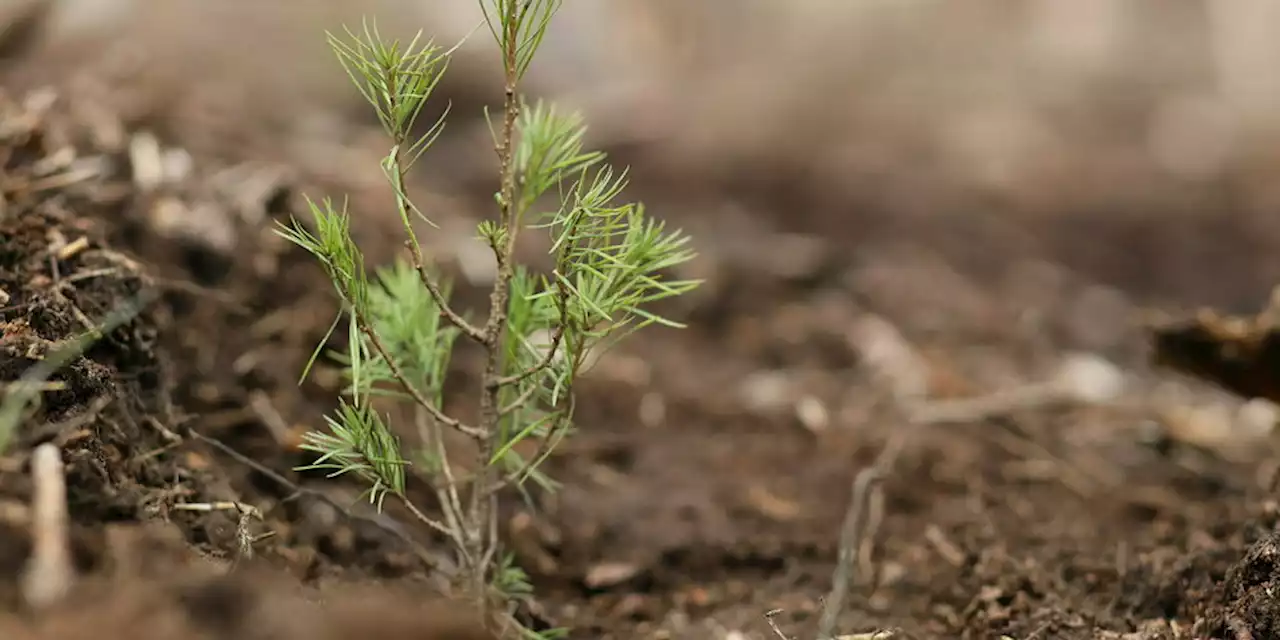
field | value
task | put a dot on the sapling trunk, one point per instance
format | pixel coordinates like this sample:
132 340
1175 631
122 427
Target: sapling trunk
482 515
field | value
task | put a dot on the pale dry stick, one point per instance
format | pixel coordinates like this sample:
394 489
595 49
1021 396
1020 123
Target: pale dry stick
247 513
166 433
446 495
857 529
945 547
869 571
24 386
74 247
1081 379
270 417
90 274
226 505
851 535
769 617
885 462
968 410
62 180
49 574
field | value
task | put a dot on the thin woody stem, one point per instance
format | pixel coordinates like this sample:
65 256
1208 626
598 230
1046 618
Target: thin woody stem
446 492
408 386
428 520
398 170
481 510
468 329
520 401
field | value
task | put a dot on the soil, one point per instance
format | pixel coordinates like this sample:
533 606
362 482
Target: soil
714 466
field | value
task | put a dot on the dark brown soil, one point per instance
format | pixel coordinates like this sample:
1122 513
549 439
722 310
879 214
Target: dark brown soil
714 464
126 411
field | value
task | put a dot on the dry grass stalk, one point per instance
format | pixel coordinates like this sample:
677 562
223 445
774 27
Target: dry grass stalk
49 574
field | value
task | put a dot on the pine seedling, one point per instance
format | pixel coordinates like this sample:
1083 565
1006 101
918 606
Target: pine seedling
541 331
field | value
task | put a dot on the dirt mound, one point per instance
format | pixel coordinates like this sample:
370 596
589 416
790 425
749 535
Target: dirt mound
135 416
1249 610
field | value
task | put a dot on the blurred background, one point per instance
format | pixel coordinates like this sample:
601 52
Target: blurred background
1136 142
1133 144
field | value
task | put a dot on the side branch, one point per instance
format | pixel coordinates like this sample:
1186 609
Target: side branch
415 250
471 331
519 402
413 391
556 338
453 533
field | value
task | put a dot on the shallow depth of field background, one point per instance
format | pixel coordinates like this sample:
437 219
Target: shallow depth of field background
1135 141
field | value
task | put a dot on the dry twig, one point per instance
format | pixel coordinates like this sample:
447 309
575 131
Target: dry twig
860 525
49 573
769 617
246 514
852 533
1081 379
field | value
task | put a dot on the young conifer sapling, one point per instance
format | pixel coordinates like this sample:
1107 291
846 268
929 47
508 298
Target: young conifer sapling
609 264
